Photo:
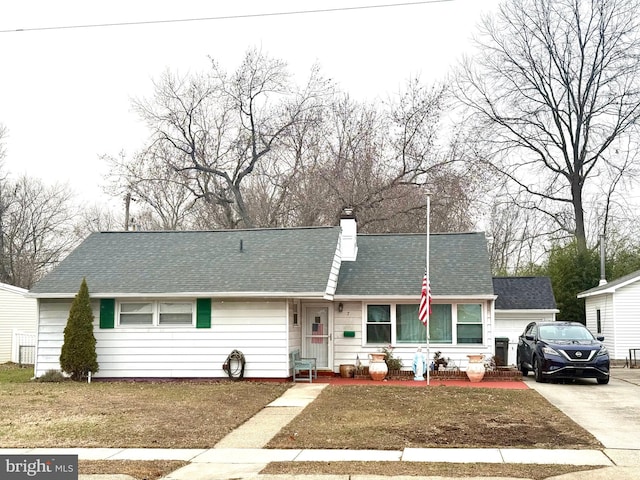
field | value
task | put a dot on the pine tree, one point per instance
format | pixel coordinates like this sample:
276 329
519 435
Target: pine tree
78 356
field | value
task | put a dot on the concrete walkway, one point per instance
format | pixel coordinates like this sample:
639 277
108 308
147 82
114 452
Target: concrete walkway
240 455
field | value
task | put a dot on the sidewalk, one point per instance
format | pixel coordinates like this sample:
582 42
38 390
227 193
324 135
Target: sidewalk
240 455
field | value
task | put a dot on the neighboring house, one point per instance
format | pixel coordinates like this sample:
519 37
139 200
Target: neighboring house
176 304
18 316
520 300
612 310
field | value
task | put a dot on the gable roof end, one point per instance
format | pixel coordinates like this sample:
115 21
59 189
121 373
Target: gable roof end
612 286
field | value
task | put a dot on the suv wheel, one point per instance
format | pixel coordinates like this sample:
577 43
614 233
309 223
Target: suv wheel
603 381
537 370
522 368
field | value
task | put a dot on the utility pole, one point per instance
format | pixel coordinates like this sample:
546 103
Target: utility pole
127 204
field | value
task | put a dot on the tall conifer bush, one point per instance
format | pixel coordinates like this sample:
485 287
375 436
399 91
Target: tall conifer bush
78 356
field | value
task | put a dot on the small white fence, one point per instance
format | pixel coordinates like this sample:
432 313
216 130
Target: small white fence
23 347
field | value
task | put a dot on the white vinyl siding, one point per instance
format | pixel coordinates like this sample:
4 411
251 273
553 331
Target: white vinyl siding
608 327
627 320
257 328
347 349
17 312
353 319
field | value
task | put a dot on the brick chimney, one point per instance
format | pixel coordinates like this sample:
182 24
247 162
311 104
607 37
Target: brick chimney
348 235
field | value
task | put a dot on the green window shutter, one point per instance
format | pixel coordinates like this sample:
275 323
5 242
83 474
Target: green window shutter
107 312
203 313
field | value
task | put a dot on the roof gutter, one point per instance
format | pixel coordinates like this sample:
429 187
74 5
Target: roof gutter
309 295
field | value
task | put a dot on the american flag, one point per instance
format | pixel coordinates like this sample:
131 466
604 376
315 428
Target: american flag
425 301
316 333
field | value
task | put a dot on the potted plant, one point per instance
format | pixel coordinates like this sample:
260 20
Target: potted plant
439 360
393 364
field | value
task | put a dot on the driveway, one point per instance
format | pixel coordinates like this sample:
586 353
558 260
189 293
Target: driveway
611 413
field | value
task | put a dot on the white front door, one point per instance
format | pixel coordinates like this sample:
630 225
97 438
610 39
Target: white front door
317 335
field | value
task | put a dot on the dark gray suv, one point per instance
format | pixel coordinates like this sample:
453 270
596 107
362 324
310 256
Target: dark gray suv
562 350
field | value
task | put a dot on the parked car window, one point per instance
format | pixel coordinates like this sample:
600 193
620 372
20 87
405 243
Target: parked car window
564 332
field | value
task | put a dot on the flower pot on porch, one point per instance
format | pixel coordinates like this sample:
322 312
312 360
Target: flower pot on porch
347 371
475 370
377 366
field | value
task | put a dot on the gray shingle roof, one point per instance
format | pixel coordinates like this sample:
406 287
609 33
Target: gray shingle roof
612 285
524 293
394 264
272 260
295 260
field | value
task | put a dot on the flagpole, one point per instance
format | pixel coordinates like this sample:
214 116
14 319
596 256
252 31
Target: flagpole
429 280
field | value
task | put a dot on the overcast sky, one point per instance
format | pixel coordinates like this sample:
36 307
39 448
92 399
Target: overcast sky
65 93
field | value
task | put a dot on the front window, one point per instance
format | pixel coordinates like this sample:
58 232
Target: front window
178 313
469 323
156 313
136 313
379 324
408 328
398 323
441 324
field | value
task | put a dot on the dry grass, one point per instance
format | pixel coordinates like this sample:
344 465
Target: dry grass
455 470
128 414
141 470
393 418
199 414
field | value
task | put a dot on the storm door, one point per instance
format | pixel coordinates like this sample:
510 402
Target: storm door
317 335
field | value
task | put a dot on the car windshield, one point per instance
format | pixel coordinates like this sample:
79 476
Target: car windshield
564 332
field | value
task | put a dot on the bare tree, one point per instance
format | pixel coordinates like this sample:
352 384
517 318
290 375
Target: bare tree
517 237
382 159
553 88
36 229
162 195
96 217
218 128
4 204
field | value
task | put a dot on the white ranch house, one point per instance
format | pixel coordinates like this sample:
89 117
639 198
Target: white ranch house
176 304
